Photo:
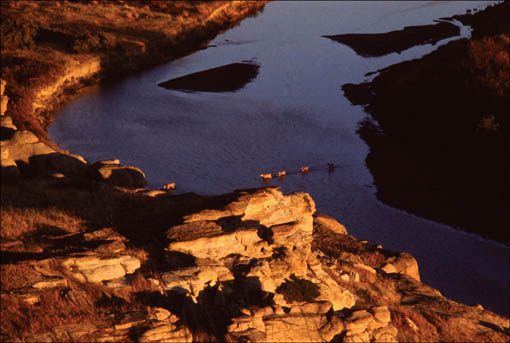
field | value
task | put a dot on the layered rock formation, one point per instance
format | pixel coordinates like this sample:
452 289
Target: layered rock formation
88 255
254 265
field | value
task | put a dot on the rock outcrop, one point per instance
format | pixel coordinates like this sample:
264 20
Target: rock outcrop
4 99
112 172
25 156
266 234
254 265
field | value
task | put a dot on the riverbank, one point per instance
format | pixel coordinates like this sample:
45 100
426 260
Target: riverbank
437 148
52 50
87 254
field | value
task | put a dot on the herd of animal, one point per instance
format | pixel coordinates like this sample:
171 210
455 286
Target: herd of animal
281 174
304 170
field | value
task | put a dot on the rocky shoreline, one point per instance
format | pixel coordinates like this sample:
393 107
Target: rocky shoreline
88 254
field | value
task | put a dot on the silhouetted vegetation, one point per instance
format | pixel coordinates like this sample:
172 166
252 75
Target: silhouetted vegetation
438 150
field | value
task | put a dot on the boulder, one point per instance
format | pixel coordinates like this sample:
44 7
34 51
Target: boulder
69 165
101 163
244 242
165 331
3 104
51 283
358 322
385 334
382 317
6 121
330 290
152 193
159 313
99 268
405 264
23 137
267 206
23 145
271 208
329 223
123 176
362 337
295 328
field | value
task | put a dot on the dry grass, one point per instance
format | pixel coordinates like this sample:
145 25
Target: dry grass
489 63
423 331
347 247
35 213
16 276
39 39
77 304
19 222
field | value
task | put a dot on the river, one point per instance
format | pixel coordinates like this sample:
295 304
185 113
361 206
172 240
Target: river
292 114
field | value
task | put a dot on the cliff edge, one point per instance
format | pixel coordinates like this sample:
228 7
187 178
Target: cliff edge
83 260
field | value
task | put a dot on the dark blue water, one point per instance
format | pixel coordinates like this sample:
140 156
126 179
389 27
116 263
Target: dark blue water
293 114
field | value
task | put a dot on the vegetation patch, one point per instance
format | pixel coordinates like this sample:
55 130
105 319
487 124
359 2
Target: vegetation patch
298 290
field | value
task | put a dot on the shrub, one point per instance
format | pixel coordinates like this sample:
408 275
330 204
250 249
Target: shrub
489 62
299 290
93 42
488 125
17 34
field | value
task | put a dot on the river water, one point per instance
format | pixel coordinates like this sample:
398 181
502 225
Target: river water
292 114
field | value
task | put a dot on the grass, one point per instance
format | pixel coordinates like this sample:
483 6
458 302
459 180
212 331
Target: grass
35 212
424 331
489 62
57 307
349 248
17 222
42 39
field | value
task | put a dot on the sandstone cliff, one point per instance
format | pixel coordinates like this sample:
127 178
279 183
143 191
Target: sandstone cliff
253 265
87 254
